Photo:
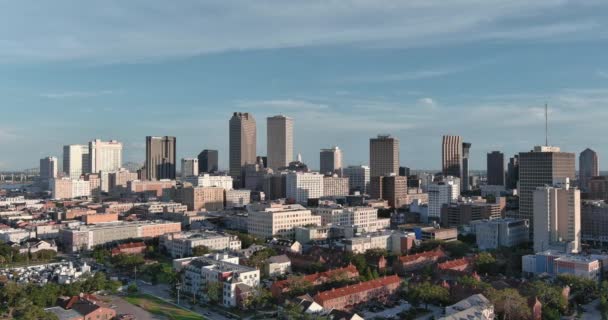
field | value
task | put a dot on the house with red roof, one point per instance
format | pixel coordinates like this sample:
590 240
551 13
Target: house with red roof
129 248
83 307
460 266
345 298
413 262
279 288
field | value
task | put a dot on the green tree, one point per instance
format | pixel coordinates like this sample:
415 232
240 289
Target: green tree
509 303
550 296
298 285
213 291
200 250
427 292
486 263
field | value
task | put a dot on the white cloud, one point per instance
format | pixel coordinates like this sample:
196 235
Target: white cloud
427 102
76 94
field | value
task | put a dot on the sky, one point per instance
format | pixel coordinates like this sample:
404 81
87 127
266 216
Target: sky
346 71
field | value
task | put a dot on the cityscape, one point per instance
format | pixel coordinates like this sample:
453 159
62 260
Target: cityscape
307 161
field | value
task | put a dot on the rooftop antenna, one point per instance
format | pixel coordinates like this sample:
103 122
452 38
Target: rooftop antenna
546 125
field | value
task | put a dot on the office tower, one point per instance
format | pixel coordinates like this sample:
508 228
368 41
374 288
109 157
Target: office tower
104 155
189 167
263 161
442 192
242 142
358 178
383 156
160 158
513 172
207 161
301 186
598 188
587 167
496 168
537 168
48 168
335 186
451 156
465 178
279 141
393 190
404 171
75 160
330 160
557 217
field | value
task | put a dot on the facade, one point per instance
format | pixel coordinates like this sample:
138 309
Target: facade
129 248
556 263
363 218
105 155
493 234
79 238
189 167
155 188
275 185
496 168
181 244
277 219
537 168
442 192
330 161
160 158
279 141
237 198
119 179
594 222
346 297
358 178
460 213
588 167
202 198
76 160
302 186
474 307
66 188
207 180
208 161
281 287
383 156
466 180
99 218
598 188
277 266
513 173
557 218
48 168
242 138
451 156
393 241
390 188
335 186
433 233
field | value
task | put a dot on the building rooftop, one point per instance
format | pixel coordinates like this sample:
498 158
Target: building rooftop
360 287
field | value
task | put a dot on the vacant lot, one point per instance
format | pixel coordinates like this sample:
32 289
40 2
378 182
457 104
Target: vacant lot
162 308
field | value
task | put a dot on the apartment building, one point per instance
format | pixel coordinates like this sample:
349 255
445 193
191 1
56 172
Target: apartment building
365 218
180 245
279 219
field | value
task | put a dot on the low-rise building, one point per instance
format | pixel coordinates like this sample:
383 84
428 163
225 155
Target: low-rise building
406 264
207 180
129 248
100 218
181 244
474 307
459 213
554 263
66 188
277 266
363 217
351 295
434 233
390 240
507 232
279 219
152 187
84 307
201 198
280 288
237 198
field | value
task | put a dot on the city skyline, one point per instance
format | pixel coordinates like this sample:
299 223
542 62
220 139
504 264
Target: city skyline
350 84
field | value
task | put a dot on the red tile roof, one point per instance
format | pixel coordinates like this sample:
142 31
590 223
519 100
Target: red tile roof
328 295
437 253
454 263
312 278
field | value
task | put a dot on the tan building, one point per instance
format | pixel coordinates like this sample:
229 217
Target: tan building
460 213
383 156
277 219
66 188
243 135
105 155
598 188
155 188
120 179
330 160
160 158
279 141
557 218
75 160
334 186
391 188
451 156
199 198
100 218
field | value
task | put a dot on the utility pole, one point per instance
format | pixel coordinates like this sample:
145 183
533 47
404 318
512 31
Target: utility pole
178 287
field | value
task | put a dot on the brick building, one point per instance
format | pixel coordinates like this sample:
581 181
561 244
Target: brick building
351 295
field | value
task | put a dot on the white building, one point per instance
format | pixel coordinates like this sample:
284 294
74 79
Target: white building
365 218
492 234
391 240
278 219
16 235
207 180
557 218
474 307
237 198
301 186
105 155
180 244
440 193
66 188
277 266
358 178
334 186
76 160
189 167
555 263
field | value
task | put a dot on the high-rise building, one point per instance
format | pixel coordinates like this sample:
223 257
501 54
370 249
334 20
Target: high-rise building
557 217
496 168
442 192
330 160
279 141
302 186
598 188
451 156
513 172
242 149
105 155
404 171
335 186
540 167
466 179
160 158
383 156
48 168
358 178
208 161
587 167
76 160
189 167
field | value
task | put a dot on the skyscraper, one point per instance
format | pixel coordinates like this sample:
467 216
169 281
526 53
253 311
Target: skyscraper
160 158
189 167
330 160
451 156
279 141
105 155
383 156
48 168
242 142
513 172
587 167
540 167
75 160
496 168
557 217
208 161
465 180
358 178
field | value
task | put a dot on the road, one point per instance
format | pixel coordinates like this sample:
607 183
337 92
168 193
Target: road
591 311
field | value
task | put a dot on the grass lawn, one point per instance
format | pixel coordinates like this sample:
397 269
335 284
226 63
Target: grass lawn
160 307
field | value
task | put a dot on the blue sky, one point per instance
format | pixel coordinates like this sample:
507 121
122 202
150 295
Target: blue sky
344 70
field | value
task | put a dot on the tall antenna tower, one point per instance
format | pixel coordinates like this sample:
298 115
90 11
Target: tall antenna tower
546 125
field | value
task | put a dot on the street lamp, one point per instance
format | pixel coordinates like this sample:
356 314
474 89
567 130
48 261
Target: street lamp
178 286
